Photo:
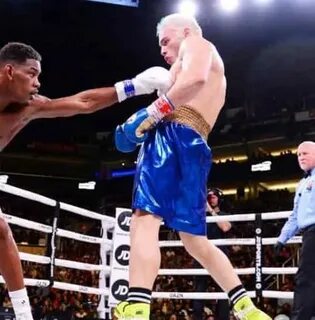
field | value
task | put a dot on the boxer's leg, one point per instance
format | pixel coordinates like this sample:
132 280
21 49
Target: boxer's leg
220 268
145 256
11 270
144 263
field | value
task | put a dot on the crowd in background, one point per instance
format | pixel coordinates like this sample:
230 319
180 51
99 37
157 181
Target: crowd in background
49 303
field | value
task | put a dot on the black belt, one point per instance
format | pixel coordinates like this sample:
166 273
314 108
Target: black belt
309 228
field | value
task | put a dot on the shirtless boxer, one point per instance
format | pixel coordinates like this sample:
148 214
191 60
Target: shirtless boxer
173 165
19 104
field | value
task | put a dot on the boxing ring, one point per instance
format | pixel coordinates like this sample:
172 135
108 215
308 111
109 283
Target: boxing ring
53 231
107 254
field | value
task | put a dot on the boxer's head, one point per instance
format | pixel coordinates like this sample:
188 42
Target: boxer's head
19 70
172 30
306 155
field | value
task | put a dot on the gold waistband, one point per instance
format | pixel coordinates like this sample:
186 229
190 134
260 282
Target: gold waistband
190 117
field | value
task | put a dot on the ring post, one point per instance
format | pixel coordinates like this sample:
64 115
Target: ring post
258 259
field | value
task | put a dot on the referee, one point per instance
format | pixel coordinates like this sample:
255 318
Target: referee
302 218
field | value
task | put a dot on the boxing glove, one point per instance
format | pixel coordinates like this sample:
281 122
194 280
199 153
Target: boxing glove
137 126
155 78
122 143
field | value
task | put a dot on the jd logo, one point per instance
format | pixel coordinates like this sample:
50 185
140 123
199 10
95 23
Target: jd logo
124 220
122 255
120 289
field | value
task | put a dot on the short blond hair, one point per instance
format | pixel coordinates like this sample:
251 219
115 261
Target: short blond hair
178 20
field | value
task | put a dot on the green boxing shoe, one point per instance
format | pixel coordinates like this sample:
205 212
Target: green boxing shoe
244 309
132 311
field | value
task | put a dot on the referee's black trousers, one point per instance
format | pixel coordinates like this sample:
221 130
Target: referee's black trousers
304 292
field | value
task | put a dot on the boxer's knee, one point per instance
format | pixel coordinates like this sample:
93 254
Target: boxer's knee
197 246
5 231
145 222
144 236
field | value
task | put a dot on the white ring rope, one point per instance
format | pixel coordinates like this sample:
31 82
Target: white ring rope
82 237
199 272
249 216
82 266
27 195
60 232
63 286
279 270
110 223
35 258
275 215
105 243
88 214
50 202
219 295
196 295
79 288
64 263
269 241
277 294
240 271
27 223
231 242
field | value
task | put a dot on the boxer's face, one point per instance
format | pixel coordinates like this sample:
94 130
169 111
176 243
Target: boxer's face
306 156
170 39
23 81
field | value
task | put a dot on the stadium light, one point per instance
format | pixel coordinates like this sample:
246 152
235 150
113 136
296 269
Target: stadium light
127 3
188 7
229 5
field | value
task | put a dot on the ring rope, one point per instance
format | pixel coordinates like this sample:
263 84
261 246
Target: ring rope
231 242
50 202
110 223
240 271
64 263
249 216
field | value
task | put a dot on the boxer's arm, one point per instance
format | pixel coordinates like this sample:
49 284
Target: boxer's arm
196 54
84 102
155 78
225 226
196 59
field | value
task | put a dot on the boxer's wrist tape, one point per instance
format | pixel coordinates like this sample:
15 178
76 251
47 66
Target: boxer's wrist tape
160 108
164 105
129 88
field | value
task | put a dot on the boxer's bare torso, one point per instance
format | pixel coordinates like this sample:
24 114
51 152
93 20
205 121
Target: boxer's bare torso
211 98
12 120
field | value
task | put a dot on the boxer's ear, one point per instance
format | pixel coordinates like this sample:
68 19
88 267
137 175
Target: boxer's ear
9 70
187 32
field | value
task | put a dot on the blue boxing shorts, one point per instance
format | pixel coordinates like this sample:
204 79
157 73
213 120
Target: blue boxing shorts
171 176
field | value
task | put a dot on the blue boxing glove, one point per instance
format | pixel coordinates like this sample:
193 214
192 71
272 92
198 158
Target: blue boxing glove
137 126
122 143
